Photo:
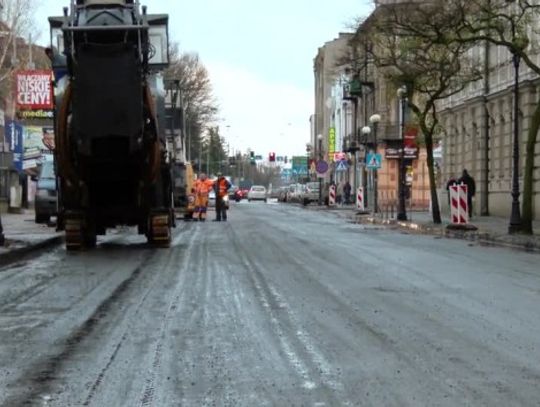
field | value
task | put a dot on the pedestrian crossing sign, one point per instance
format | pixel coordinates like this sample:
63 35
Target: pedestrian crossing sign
341 165
373 160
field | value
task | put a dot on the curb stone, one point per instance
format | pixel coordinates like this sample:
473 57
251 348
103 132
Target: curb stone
480 236
518 242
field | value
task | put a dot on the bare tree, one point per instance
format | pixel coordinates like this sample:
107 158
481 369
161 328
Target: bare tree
430 70
16 20
197 94
506 23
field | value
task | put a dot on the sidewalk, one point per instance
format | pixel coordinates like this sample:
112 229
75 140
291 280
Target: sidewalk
491 229
23 235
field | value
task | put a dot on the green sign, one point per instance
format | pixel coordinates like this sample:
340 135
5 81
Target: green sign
299 164
331 143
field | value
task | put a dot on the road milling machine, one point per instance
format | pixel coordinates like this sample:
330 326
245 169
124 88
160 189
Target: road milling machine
111 156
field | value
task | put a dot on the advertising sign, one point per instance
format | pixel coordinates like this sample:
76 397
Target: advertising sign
35 114
338 156
331 142
48 138
410 153
409 136
14 136
32 142
34 90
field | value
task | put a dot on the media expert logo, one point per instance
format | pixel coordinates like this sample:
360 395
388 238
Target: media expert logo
34 90
35 114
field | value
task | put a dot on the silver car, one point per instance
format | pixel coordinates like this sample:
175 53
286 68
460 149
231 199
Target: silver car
310 193
257 192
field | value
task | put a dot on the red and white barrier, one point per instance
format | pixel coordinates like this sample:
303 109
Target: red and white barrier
332 196
360 199
459 210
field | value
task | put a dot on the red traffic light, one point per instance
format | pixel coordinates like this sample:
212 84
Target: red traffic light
272 157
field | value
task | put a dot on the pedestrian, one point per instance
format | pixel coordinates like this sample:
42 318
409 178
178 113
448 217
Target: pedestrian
347 192
221 188
202 188
451 182
339 192
471 188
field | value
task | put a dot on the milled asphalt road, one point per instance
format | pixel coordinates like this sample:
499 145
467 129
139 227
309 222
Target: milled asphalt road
277 307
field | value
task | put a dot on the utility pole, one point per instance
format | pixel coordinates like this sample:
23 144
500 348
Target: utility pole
402 212
209 144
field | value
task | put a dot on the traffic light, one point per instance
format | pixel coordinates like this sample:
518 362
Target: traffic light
252 155
272 157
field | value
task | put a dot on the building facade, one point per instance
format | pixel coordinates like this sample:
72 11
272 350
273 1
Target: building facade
329 120
478 131
347 96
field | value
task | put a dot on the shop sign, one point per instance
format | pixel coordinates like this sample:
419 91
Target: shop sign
331 142
34 90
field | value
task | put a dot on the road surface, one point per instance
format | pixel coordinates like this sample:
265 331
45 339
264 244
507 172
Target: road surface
279 306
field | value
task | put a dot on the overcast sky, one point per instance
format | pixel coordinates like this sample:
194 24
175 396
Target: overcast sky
260 60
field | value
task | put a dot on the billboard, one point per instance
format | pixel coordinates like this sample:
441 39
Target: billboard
32 142
34 90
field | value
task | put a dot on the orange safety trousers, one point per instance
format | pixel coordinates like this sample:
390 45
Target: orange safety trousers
202 188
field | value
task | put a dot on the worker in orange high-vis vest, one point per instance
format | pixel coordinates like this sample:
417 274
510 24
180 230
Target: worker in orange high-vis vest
202 187
221 187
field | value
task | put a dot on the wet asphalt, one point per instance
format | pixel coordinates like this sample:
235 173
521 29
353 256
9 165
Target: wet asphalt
279 306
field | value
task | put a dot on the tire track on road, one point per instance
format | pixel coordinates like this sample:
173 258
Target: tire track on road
45 372
148 394
134 311
300 351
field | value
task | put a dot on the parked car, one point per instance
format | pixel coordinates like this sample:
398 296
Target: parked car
233 192
282 196
46 196
310 193
274 192
294 193
257 192
239 195
212 199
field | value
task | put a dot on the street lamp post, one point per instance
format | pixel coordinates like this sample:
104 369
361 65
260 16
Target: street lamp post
374 120
402 213
366 131
515 217
308 155
319 140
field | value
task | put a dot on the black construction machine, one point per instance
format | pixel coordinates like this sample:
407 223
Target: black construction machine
111 152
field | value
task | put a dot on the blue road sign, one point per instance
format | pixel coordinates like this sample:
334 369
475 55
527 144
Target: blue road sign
373 161
342 165
321 166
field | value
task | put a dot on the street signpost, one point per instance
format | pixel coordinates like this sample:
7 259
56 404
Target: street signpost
321 168
299 163
342 165
373 161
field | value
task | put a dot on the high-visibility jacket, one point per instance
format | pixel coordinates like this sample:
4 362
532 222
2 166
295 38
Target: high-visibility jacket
222 186
203 187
